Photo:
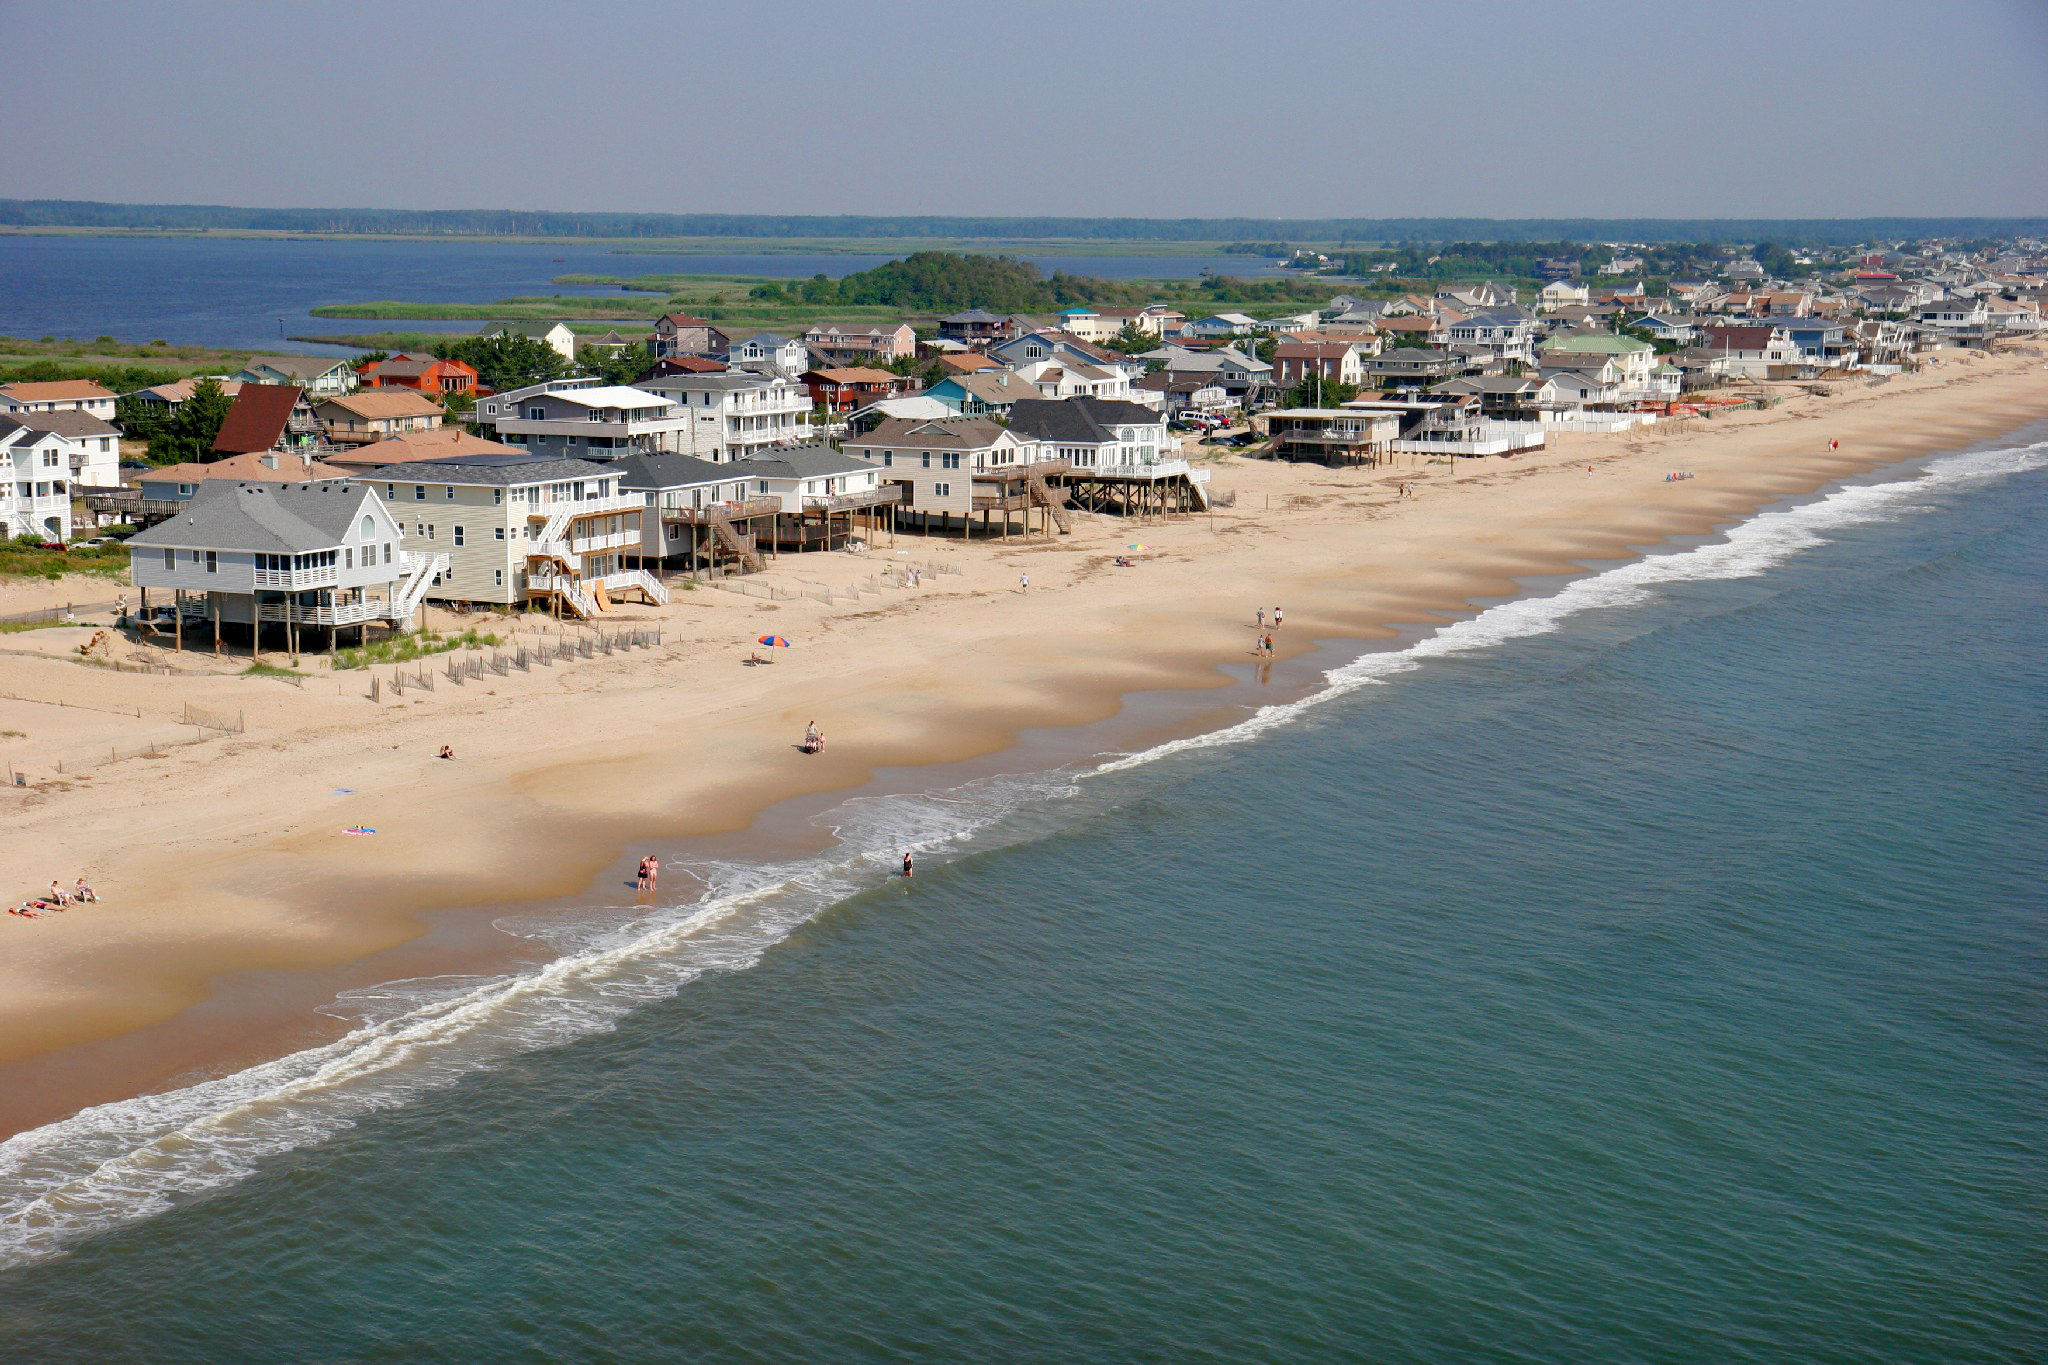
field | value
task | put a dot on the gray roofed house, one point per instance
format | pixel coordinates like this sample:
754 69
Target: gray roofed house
648 473
322 376
492 470
804 462
1078 421
326 554
278 518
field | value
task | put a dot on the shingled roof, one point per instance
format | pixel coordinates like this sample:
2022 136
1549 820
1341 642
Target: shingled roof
264 517
257 418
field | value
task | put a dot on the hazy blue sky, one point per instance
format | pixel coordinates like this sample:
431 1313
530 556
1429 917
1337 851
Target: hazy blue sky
1143 107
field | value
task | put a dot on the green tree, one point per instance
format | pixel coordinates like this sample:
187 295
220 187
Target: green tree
627 365
140 421
1314 391
506 360
1132 340
190 435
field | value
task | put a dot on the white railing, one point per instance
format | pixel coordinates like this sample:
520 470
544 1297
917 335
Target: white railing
1597 422
420 570
562 509
1170 468
325 614
298 578
635 578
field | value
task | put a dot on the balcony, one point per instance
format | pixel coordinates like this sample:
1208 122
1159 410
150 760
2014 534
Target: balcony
727 511
587 507
848 502
298 578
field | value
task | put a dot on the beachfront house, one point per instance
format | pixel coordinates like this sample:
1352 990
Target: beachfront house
583 419
1411 367
1333 435
309 557
522 528
733 415
697 511
35 497
850 344
57 395
1753 352
1495 337
959 466
823 496
318 375
372 414
1093 433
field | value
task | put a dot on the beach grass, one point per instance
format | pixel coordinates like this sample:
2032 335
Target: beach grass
400 649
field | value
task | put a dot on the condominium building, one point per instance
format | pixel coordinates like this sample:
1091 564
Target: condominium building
735 415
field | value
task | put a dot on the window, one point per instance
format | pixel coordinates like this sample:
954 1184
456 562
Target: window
170 559
369 528
944 490
888 458
927 459
430 530
498 533
458 537
419 492
387 552
348 557
185 490
497 496
195 556
449 489
498 577
212 562
390 492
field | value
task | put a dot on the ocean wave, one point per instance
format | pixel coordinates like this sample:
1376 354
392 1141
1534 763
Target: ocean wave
118 1163
1746 550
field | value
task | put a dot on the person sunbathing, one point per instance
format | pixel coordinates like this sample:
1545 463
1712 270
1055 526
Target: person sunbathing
83 892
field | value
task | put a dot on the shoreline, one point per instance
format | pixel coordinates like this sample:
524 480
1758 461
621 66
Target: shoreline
260 912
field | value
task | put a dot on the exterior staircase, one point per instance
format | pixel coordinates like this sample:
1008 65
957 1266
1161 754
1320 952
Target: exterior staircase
420 571
730 536
648 585
1053 500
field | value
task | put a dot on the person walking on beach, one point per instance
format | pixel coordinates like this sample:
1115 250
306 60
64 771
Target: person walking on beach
1279 619
1023 582
1261 615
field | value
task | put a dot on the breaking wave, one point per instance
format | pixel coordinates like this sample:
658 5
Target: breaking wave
128 1160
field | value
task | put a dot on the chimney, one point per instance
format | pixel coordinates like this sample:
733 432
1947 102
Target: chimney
268 460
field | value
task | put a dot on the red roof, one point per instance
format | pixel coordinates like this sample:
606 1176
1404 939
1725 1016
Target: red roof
257 419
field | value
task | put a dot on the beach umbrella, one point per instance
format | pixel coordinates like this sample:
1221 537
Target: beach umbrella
773 642
1140 547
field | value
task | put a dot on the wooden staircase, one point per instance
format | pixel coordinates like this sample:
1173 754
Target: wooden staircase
1053 500
741 544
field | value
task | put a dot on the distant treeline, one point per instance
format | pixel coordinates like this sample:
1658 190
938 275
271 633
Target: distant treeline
1344 231
942 281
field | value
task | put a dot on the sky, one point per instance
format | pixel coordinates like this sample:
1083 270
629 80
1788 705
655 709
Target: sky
1147 108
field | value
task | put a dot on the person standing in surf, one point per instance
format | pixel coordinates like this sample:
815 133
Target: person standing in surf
909 864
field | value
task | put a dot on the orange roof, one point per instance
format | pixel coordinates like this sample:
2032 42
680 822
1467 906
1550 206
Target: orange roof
375 403
968 363
270 466
56 390
440 443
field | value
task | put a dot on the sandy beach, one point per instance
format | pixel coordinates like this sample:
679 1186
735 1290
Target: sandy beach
225 876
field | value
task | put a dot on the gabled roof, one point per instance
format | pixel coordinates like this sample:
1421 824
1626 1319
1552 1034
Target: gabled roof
800 462
1606 343
256 419
500 471
298 366
644 473
992 386
374 404
70 423
178 390
1739 338
262 517
971 315
1077 420
940 433
435 443
55 390
258 466
681 320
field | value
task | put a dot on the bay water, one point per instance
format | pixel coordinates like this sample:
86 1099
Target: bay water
1649 970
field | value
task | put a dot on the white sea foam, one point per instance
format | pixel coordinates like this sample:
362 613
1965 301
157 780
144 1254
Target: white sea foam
1745 551
120 1162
